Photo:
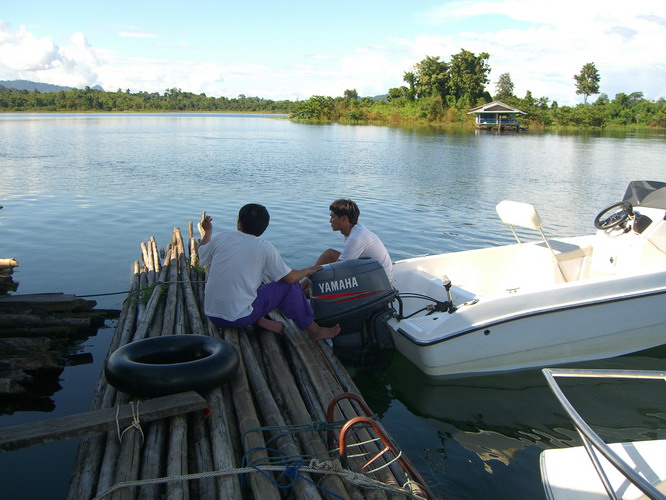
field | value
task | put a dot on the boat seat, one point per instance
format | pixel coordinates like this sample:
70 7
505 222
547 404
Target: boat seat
515 213
658 237
574 264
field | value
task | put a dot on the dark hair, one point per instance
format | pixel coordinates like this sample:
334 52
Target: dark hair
346 207
254 219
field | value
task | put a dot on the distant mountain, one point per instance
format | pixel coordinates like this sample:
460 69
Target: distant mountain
39 87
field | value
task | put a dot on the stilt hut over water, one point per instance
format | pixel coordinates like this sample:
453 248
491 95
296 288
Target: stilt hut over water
496 116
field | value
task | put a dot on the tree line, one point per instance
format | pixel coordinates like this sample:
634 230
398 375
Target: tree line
436 92
93 100
441 93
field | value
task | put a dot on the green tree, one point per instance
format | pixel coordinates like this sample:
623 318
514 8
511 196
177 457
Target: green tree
468 75
503 87
318 108
397 93
431 77
351 95
410 78
587 81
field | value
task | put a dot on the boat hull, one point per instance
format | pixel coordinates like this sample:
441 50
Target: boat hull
540 303
578 333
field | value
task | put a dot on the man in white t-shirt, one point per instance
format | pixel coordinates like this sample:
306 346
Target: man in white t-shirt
237 263
359 241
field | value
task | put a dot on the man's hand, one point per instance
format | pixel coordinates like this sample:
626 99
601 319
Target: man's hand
207 223
207 228
298 274
311 270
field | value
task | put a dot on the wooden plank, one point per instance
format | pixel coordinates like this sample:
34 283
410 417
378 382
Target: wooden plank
38 297
44 320
45 302
57 429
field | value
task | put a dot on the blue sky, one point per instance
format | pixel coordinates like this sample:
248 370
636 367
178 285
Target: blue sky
295 49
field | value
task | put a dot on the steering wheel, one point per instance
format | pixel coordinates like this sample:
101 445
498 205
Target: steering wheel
617 218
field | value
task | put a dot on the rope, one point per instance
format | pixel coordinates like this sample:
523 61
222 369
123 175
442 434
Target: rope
315 426
135 424
387 464
315 467
124 292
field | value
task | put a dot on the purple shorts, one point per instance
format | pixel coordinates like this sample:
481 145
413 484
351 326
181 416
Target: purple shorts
288 299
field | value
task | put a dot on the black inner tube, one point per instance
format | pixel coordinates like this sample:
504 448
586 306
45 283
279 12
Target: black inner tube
171 364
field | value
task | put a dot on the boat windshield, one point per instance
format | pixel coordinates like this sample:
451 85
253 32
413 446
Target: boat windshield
591 441
650 194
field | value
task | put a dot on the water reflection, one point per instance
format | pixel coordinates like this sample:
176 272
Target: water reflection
80 192
487 425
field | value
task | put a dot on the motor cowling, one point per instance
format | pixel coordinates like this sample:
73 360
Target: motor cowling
356 295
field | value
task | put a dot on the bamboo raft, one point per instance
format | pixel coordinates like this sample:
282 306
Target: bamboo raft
38 335
272 431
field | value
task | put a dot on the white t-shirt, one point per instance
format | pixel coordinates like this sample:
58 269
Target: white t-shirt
237 264
362 242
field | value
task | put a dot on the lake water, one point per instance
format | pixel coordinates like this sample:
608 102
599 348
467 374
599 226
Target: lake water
81 192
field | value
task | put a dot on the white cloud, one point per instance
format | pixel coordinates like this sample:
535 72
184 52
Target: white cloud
24 56
21 51
541 46
549 43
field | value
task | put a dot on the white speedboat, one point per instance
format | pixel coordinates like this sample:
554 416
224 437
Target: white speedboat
598 470
540 303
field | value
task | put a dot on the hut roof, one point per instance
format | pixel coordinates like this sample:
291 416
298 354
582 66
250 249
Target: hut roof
495 107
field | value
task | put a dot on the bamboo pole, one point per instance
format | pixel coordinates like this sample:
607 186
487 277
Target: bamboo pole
194 257
89 455
220 423
311 388
153 460
190 237
253 442
272 417
139 300
107 468
348 385
155 449
147 319
147 255
295 409
122 458
182 324
202 457
314 364
190 299
122 454
223 430
150 459
128 462
172 295
201 285
177 458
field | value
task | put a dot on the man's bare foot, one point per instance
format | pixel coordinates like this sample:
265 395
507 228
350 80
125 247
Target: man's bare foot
322 332
271 326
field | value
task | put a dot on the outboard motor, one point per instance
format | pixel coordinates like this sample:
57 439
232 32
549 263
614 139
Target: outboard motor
356 295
